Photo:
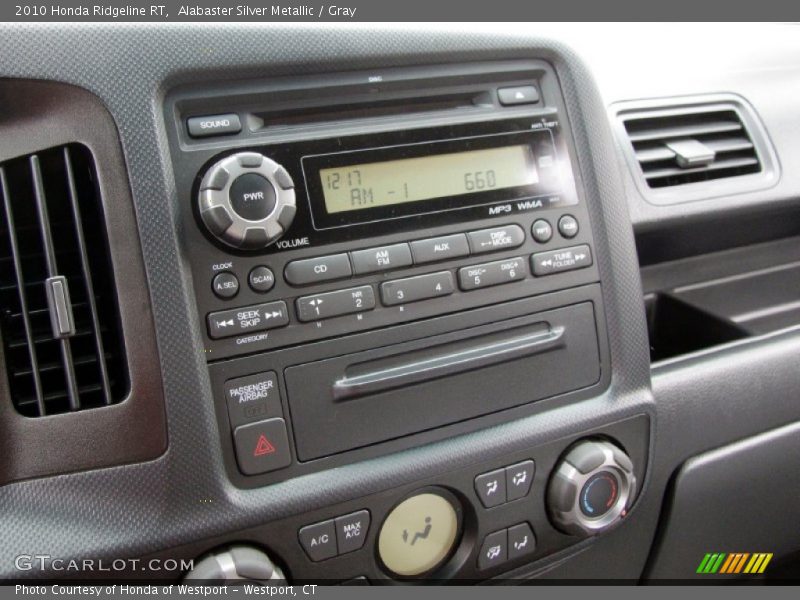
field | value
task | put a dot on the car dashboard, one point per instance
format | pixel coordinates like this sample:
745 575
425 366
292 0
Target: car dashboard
349 304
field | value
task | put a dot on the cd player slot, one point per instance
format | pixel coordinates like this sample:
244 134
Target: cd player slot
448 359
370 108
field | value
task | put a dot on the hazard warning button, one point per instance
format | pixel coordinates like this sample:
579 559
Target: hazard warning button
262 446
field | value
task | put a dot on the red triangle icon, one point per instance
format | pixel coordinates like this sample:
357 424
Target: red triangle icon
263 446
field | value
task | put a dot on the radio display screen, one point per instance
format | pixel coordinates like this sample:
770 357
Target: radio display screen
366 185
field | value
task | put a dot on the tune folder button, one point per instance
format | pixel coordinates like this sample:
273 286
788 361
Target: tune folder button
559 261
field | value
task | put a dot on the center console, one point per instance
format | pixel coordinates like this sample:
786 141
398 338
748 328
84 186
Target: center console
384 260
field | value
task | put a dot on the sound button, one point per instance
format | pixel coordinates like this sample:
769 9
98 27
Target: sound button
418 535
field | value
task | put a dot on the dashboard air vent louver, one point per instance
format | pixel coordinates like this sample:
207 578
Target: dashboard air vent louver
678 147
58 309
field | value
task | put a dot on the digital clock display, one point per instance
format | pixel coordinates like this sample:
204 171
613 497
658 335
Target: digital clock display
367 185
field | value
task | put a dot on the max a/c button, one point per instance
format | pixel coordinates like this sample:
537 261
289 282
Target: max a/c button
262 446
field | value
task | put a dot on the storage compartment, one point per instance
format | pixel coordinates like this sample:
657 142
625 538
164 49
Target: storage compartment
359 399
716 298
676 328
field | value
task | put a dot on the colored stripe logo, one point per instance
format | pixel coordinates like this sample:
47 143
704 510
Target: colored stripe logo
734 563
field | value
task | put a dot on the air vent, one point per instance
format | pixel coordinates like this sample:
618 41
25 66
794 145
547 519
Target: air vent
59 320
674 149
696 150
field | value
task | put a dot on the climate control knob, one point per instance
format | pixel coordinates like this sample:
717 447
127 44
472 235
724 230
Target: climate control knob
247 200
591 488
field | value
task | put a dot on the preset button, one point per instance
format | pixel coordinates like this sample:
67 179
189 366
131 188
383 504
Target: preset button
493 273
412 289
335 304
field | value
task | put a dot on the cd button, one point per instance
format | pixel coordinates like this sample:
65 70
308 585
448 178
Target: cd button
440 248
496 238
335 304
381 259
314 270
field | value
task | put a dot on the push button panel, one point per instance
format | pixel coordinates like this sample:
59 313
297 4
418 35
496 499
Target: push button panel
334 537
382 299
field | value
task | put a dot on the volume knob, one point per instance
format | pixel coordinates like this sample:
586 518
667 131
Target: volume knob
247 201
591 488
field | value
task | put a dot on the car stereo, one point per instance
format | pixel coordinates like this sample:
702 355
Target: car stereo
375 256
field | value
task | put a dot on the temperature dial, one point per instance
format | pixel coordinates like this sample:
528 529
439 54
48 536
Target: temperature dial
247 201
591 488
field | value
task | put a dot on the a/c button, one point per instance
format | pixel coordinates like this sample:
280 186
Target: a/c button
319 540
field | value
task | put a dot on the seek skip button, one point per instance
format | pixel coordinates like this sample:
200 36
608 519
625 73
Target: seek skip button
253 398
247 319
351 531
